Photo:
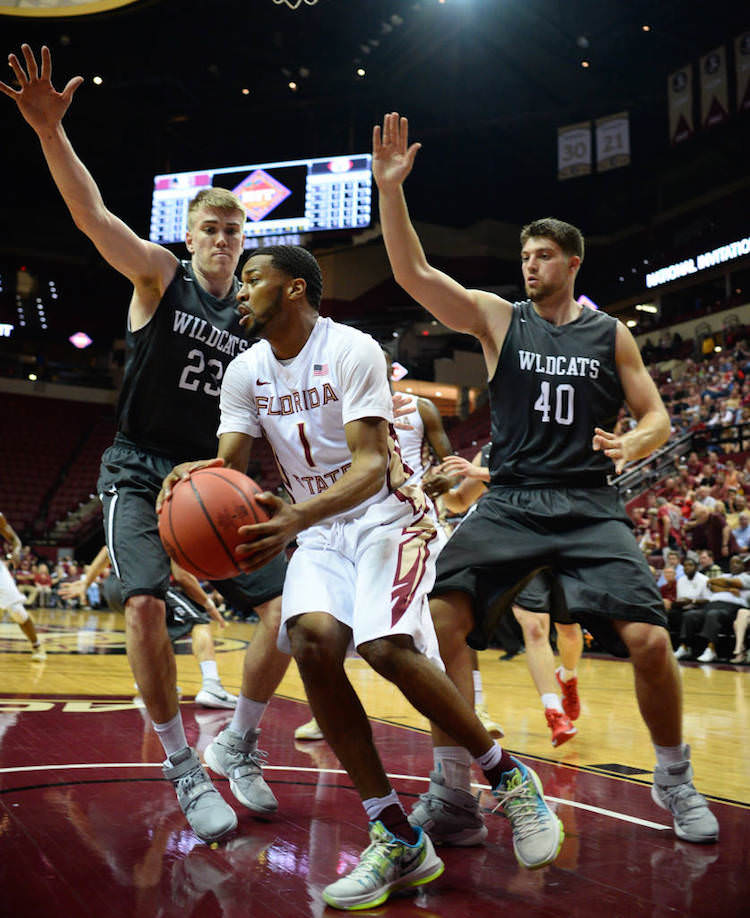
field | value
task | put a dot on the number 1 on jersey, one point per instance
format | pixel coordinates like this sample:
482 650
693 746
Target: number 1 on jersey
305 445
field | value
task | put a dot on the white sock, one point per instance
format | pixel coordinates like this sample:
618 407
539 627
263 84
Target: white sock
374 806
489 759
567 674
551 700
669 755
172 735
454 763
209 670
247 714
478 691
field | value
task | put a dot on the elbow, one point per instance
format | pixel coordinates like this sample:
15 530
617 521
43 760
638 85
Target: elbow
666 428
411 276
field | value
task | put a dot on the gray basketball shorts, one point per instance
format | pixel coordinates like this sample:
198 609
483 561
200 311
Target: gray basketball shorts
129 483
582 536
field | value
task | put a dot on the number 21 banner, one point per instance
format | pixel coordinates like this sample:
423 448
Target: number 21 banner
612 141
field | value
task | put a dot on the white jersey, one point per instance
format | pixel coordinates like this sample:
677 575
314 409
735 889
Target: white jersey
302 406
415 450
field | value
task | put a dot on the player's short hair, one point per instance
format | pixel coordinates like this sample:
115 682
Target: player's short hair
567 236
219 198
296 262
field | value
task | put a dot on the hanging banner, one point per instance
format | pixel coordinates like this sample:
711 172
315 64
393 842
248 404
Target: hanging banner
742 69
612 141
714 95
574 150
680 97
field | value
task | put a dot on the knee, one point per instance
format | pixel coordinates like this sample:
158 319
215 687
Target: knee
534 630
453 617
650 646
312 646
144 614
383 656
18 613
270 613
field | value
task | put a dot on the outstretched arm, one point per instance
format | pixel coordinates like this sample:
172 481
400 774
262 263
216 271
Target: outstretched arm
190 586
653 426
77 589
149 267
436 481
474 312
473 486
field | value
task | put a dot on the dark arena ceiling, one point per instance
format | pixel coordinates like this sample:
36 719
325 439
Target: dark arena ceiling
485 83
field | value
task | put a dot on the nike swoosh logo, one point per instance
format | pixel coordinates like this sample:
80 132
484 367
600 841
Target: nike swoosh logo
262 382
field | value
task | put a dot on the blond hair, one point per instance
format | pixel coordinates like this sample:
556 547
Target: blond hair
219 198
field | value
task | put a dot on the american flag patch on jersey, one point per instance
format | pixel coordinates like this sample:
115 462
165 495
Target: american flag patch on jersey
320 369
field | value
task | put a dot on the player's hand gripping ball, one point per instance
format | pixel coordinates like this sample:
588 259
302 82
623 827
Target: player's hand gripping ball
198 524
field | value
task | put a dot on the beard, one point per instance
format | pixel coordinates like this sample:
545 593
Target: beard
537 293
255 325
541 292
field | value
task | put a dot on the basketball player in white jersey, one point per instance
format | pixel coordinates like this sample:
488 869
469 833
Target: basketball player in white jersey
363 566
11 600
421 436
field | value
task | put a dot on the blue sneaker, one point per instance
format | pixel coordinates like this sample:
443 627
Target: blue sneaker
537 832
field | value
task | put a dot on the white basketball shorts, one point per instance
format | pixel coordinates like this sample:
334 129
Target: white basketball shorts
371 573
10 595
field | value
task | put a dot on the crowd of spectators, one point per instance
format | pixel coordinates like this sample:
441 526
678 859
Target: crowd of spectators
693 525
39 579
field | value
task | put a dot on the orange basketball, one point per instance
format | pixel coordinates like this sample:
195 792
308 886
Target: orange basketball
198 524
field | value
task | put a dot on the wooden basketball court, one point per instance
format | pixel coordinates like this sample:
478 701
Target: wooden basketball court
90 828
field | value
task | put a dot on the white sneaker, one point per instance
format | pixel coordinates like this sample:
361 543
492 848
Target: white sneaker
309 731
38 654
214 695
681 652
708 656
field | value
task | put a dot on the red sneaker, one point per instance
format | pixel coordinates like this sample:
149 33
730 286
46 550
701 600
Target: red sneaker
570 701
560 725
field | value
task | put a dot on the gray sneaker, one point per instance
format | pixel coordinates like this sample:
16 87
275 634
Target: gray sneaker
209 815
537 832
214 695
448 815
673 790
239 759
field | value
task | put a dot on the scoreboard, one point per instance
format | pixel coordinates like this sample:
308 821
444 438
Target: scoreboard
292 197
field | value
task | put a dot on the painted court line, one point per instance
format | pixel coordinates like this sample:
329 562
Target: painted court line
624 817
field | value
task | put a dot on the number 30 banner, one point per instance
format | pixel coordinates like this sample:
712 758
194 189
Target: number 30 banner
574 150
612 141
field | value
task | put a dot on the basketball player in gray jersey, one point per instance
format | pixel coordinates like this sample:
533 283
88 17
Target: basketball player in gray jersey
182 332
558 374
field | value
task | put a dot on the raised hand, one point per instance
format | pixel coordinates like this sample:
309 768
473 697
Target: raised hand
392 157
37 99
